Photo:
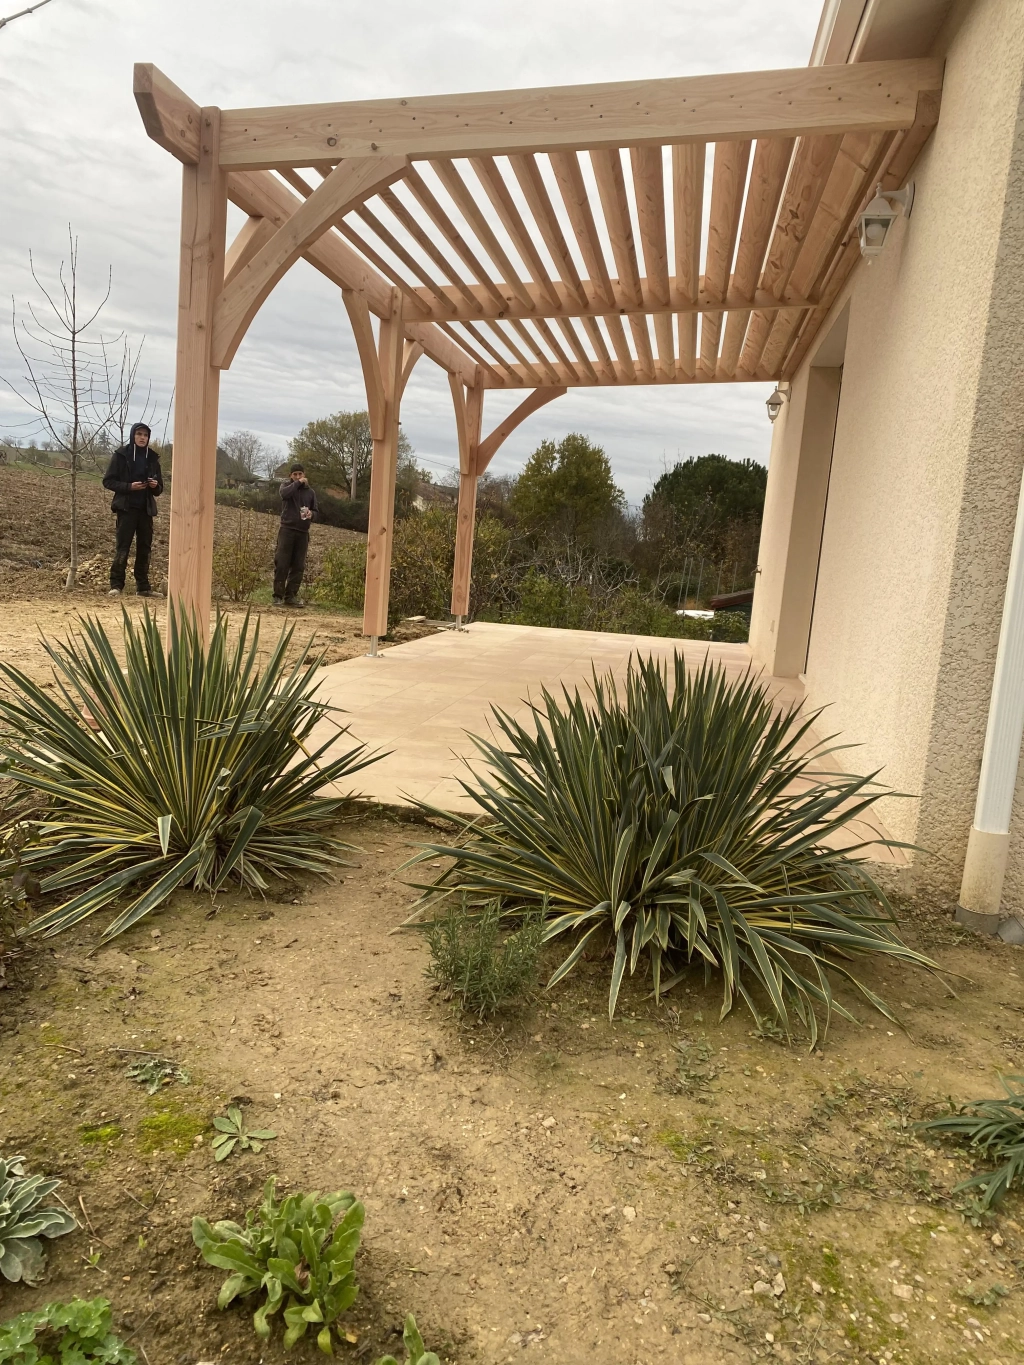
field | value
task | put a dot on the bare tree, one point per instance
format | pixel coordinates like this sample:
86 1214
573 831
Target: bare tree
248 451
30 9
122 378
68 380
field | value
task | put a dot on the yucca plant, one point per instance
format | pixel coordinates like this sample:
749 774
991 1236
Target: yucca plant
994 1130
187 767
26 1215
677 823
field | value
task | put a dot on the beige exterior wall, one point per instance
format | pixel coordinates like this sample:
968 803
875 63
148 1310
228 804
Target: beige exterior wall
926 467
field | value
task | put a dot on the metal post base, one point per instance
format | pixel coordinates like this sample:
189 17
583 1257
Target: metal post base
373 652
1009 928
458 623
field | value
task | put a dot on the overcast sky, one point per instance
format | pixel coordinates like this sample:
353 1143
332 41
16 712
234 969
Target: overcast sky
73 150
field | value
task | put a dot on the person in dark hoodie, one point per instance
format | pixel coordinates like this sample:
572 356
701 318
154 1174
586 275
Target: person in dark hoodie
134 478
298 512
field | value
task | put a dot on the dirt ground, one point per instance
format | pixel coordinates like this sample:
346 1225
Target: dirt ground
553 1188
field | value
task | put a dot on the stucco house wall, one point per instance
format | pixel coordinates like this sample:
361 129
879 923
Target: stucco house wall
926 465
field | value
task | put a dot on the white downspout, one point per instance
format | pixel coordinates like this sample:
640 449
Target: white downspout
989 843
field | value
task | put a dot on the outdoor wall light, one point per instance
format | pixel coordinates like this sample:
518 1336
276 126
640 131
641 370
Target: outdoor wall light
879 216
774 403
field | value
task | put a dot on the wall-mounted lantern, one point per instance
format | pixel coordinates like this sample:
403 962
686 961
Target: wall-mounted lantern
774 403
879 216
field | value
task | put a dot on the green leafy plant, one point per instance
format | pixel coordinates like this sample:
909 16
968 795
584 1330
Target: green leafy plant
672 824
985 1298
474 962
25 1217
297 1252
243 559
156 1072
73 1333
188 767
232 1130
994 1130
415 1352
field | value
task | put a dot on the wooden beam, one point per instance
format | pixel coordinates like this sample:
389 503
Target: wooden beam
620 346
764 190
428 201
413 351
168 115
381 523
866 96
618 373
469 409
348 184
649 188
512 220
388 238
491 444
197 381
369 358
470 210
728 179
253 235
687 211
427 245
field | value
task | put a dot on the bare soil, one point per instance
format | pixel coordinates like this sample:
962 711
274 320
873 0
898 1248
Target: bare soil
552 1187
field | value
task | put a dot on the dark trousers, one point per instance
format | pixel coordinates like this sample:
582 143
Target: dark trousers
289 561
135 524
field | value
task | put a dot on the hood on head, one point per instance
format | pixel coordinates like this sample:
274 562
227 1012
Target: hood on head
139 426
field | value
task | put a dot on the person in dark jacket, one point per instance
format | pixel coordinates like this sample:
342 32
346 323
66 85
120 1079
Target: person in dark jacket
134 478
298 512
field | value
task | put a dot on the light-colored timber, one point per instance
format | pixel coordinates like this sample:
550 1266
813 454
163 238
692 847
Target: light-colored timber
520 240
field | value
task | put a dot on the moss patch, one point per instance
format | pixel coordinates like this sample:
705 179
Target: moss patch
171 1128
95 1133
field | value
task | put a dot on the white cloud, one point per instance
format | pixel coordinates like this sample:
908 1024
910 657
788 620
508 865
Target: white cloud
73 150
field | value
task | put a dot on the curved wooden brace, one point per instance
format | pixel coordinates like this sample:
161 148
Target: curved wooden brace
348 184
413 351
253 236
489 447
362 329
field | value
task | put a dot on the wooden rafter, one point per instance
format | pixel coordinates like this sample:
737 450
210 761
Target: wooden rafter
728 179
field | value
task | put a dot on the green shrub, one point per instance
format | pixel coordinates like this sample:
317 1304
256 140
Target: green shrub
25 1217
342 578
243 560
994 1130
415 1352
73 1333
669 824
197 771
474 962
300 1253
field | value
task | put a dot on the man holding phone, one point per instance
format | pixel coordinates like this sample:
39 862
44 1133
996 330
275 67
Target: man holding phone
298 512
134 478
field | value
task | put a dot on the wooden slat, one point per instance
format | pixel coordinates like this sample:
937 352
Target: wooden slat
619 376
427 245
470 210
521 329
567 329
611 186
649 189
728 178
428 201
593 330
548 336
512 221
531 182
687 211
571 185
619 344
642 342
499 377
666 348
297 182
764 190
784 326
383 234
812 163
533 373
385 267
866 96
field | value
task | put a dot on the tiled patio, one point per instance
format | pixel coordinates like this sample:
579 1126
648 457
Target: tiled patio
422 700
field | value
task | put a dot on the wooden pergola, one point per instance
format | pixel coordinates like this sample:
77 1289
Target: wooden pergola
527 239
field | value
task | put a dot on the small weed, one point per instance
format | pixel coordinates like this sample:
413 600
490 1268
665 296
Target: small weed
694 1068
472 963
95 1134
74 1333
985 1298
156 1072
26 1216
416 1353
231 1132
994 1129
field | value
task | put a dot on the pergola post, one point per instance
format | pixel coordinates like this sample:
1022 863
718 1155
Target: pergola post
469 411
197 380
386 381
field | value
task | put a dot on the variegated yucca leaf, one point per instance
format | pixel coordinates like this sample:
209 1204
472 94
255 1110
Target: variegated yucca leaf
673 823
191 766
